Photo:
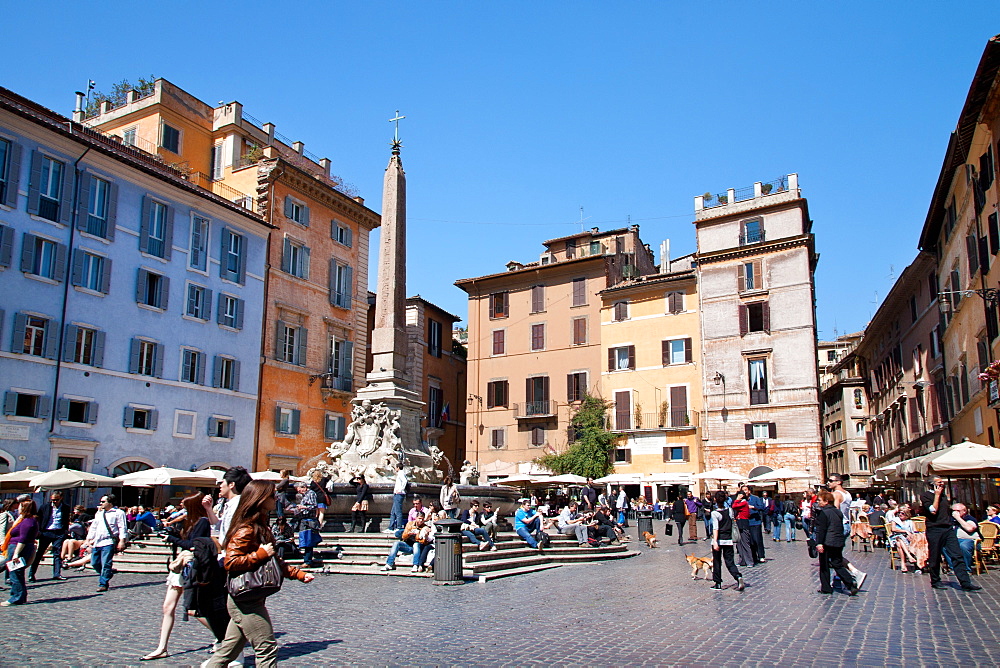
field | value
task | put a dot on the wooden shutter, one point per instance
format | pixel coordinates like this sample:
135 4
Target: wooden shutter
239 313
129 418
200 377
28 253
545 389
678 406
623 410
206 304
972 252
504 392
9 403
741 279
217 372
346 359
349 286
106 275
772 430
611 358
52 339
286 256
579 331
83 208
236 376
20 324
66 198
6 245
144 224
332 281
914 415
133 356
112 210
491 389
687 350
744 320
91 412
765 316
758 275
69 343
34 182
300 346
570 387
631 357
295 421
13 176
277 419
529 390
748 431
665 350
154 419
305 216
288 206
213 426
158 360
994 233
76 274
163 298
98 358
984 254
59 268
686 453
280 342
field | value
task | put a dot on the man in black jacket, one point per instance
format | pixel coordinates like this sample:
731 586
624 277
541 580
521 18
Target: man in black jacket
588 497
936 507
829 528
53 520
678 512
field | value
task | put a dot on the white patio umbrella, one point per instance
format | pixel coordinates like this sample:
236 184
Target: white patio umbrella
567 479
65 478
165 475
718 474
963 457
274 476
18 479
620 478
519 480
780 474
885 472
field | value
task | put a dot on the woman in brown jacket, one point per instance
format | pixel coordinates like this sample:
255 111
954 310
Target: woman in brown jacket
249 543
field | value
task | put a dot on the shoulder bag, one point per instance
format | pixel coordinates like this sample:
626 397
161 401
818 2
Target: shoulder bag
115 537
257 584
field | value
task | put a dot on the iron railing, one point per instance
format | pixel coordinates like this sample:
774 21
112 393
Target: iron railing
752 238
535 409
667 419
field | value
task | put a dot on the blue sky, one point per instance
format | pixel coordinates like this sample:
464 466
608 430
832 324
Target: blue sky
518 114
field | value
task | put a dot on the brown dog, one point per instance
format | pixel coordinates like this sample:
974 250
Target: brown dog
699 564
649 538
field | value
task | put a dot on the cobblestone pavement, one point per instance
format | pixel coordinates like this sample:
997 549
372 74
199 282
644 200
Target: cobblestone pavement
641 611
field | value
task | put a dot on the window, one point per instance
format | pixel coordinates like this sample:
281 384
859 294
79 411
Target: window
219 427
579 292
128 136
44 258
6 245
537 436
676 351
341 284
537 396
831 355
621 358
754 317
579 331
435 402
758 381
297 211
97 215
498 341
84 345
49 190
571 249
341 233
25 404
295 259
10 171
679 416
146 358
184 423
620 311
217 166
759 431
35 335
226 373
192 366
90 271
80 411
286 420
576 386
863 462
675 302
972 251
230 311
198 253
498 305
749 276
334 427
233 263
434 337
752 232
497 440
141 418
291 344
623 456
496 393
156 230
342 364
596 248
538 336
152 289
537 298
675 454
199 302
170 138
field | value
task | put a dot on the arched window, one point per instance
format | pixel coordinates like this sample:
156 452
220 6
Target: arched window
129 467
863 462
858 399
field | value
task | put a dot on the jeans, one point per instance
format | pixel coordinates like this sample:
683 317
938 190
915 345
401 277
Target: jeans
18 583
47 538
577 530
526 536
724 553
396 514
743 543
477 536
679 522
967 546
399 547
789 527
452 513
102 559
708 526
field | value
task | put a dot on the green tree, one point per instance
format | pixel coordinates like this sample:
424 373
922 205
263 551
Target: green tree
118 95
589 454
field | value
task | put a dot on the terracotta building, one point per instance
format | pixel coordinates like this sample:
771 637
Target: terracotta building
535 344
962 231
756 260
844 405
652 349
315 311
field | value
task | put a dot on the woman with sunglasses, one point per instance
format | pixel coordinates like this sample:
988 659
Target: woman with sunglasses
248 544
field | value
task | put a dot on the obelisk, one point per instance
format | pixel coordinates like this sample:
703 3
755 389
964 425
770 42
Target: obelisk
387 381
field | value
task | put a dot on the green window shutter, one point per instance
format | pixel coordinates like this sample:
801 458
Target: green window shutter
133 356
295 421
201 368
164 296
239 313
300 346
13 176
305 215
28 253
288 206
168 232
213 425
6 245
83 207
106 276
98 359
62 409
51 339
9 403
158 361
92 412
34 182
43 407
76 275
129 418
236 376
347 359
112 210
277 419
154 419
69 343
207 304
280 341
66 198
20 324
141 281
217 372
59 269
147 205
348 286
286 256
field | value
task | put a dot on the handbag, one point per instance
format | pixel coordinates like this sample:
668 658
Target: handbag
813 552
798 523
257 584
309 538
668 529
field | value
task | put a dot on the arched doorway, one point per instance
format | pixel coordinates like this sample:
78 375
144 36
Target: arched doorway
759 470
132 496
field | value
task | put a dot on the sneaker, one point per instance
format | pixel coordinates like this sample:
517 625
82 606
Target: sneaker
389 531
859 579
389 567
415 569
102 589
483 545
717 586
740 585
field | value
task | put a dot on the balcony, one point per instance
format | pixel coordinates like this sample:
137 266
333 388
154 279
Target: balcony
754 237
336 385
535 409
740 200
662 421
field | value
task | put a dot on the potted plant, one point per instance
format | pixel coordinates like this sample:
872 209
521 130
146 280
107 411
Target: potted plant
663 414
707 197
723 199
767 188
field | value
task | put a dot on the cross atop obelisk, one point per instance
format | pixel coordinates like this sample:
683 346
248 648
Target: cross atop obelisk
397 119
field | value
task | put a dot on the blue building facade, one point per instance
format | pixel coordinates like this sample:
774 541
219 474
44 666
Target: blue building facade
131 306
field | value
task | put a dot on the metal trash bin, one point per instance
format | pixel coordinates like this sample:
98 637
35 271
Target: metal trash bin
448 553
643 522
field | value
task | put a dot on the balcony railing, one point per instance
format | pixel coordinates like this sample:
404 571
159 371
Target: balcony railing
670 419
752 238
338 383
534 409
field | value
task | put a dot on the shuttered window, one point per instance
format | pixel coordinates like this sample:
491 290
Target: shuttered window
10 172
156 229
496 393
233 262
679 416
498 305
43 257
621 358
579 292
499 341
579 331
675 302
537 298
341 284
621 311
576 386
677 351
538 336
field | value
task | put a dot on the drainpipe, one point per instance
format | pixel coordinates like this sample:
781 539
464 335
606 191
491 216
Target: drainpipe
69 277
264 325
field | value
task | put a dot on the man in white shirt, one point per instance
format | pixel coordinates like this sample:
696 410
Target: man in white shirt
106 535
572 523
230 488
396 521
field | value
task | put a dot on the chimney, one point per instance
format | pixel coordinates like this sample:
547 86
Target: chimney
665 256
78 112
269 129
325 164
298 147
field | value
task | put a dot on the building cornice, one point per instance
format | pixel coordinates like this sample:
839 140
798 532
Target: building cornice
310 186
805 240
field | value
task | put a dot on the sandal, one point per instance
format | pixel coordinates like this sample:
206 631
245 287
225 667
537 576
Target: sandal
154 657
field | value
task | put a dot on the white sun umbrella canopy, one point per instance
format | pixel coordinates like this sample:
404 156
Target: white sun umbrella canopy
781 474
567 479
274 476
965 457
519 480
718 474
68 478
18 479
165 475
620 478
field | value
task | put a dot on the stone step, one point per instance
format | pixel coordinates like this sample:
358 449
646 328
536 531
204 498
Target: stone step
508 572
